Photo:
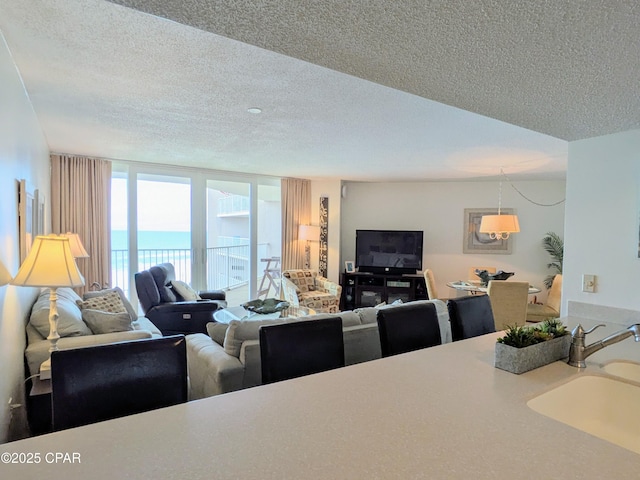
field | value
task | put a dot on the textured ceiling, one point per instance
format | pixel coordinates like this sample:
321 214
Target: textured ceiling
349 89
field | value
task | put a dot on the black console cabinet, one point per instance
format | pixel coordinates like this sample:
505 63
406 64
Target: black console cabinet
370 289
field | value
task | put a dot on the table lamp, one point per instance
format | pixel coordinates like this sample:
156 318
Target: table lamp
49 263
77 249
308 233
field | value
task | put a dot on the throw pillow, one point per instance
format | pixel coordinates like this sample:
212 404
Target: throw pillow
239 331
125 301
185 291
217 331
106 322
70 322
109 302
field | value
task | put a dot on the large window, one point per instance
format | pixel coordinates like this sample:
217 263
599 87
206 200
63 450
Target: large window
220 231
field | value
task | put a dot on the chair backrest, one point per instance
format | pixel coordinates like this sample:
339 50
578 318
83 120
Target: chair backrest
472 272
147 290
291 350
508 302
289 292
470 316
163 274
408 327
430 280
304 280
554 299
97 383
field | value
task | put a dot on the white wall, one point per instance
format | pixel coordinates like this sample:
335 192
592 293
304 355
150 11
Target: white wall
602 220
23 154
437 208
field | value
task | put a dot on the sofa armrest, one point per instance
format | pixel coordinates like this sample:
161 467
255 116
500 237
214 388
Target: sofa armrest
38 352
328 286
187 307
212 371
213 295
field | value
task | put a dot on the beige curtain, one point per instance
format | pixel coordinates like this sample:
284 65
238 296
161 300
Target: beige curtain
296 210
81 203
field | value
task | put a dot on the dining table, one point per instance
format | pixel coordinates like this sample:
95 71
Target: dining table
473 287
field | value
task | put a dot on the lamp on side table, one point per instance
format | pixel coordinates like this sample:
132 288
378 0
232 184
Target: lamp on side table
50 263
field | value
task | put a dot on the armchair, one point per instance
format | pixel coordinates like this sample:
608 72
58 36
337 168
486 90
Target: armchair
168 309
308 289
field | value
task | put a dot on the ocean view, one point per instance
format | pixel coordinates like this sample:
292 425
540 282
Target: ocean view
151 240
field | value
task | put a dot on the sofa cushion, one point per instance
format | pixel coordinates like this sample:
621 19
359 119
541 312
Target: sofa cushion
70 322
106 322
217 331
109 302
125 301
185 291
239 331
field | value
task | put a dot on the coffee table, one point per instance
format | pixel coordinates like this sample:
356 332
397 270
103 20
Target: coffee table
225 315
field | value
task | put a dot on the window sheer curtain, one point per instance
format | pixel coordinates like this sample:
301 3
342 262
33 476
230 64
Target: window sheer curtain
296 210
81 203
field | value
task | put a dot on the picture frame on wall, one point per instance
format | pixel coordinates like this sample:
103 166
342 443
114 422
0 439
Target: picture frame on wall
26 213
349 266
476 242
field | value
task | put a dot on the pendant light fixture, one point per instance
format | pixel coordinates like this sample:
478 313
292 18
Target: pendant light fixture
499 226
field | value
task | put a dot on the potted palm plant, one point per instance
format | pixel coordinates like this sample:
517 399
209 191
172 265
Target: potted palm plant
554 246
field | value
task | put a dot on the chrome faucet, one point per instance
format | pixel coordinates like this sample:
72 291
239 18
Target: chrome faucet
579 352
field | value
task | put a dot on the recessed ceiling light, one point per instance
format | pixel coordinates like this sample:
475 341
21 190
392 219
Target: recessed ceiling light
254 110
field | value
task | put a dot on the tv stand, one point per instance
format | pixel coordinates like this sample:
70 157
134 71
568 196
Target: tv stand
370 289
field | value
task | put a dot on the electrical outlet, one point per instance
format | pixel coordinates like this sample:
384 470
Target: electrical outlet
588 283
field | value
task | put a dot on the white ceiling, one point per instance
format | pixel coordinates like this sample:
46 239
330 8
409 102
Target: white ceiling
347 89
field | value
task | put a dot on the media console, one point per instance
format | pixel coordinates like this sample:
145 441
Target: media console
371 289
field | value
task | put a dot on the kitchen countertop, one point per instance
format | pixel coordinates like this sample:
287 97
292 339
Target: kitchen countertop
439 413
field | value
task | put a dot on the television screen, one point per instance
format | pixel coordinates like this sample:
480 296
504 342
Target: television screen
393 251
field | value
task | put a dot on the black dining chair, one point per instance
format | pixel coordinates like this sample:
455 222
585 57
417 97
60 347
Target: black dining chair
470 316
103 382
407 327
291 350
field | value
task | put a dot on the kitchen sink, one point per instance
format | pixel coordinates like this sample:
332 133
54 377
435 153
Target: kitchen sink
601 406
628 370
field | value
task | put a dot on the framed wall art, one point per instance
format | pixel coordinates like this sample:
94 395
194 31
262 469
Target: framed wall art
26 213
476 242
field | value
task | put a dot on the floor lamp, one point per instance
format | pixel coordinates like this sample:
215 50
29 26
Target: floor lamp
310 233
50 264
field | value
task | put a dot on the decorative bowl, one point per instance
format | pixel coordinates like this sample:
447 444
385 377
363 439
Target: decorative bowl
486 277
268 305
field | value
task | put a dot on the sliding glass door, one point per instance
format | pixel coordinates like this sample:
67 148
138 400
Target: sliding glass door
219 233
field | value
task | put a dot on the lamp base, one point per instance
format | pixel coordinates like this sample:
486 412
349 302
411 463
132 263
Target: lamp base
45 369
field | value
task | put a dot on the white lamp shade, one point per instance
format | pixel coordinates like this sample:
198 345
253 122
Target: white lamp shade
5 276
309 232
77 249
49 264
499 223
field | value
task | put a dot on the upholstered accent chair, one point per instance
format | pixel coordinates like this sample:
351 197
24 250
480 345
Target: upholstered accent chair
551 309
305 288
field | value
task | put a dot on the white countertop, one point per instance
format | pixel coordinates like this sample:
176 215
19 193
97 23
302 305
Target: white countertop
439 413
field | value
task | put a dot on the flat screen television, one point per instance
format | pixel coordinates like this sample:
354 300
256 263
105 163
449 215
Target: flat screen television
389 251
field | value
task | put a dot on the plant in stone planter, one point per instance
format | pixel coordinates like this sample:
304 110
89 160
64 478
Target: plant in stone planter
523 348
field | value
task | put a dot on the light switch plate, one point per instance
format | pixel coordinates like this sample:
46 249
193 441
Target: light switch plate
588 283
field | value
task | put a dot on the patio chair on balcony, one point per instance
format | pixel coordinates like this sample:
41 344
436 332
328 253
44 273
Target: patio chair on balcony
173 306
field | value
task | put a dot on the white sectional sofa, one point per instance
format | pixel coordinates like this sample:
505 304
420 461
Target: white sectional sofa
228 359
73 328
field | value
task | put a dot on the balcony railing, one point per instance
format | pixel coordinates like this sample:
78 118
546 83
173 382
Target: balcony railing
226 267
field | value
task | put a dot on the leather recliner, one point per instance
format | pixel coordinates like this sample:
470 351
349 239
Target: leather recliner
167 309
